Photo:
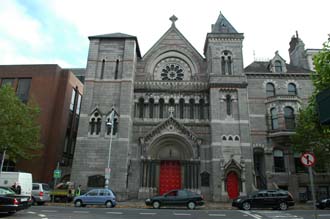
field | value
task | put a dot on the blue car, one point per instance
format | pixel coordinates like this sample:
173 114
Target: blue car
96 197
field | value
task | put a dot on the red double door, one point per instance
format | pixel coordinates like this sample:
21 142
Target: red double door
232 185
170 176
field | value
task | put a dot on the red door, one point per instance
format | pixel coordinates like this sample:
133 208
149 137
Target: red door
232 185
170 176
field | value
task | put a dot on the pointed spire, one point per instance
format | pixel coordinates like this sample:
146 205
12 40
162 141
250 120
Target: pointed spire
173 18
222 25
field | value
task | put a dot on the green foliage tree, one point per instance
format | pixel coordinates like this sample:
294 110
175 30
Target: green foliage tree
310 134
19 128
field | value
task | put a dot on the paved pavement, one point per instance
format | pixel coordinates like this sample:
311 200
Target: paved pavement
208 205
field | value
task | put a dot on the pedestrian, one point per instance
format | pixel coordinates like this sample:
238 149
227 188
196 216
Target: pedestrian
78 191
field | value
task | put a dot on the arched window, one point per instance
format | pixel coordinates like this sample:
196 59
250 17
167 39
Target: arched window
226 63
270 90
116 69
141 108
95 123
289 118
201 109
279 165
274 118
161 108
181 106
191 109
109 126
151 108
102 69
292 89
228 105
278 66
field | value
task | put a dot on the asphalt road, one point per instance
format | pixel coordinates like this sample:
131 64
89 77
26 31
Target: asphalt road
53 212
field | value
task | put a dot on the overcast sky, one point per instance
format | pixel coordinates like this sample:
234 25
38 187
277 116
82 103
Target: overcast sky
56 31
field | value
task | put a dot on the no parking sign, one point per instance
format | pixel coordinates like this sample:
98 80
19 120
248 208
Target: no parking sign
307 159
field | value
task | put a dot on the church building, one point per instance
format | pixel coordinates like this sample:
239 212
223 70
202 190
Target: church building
187 120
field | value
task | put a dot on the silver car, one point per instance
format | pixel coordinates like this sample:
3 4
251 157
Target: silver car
40 193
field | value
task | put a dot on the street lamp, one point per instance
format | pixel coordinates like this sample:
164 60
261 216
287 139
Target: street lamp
110 123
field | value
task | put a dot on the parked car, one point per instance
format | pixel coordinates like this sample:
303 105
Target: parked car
276 199
323 203
63 192
179 197
96 197
11 202
40 193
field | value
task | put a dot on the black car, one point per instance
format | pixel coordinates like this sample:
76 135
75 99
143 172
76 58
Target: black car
276 199
323 203
180 197
10 202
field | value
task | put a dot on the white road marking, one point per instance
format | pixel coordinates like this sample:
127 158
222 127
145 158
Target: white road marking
114 212
41 215
251 215
31 212
323 215
49 211
147 213
81 212
217 215
181 214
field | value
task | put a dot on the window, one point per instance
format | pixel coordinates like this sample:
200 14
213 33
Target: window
78 104
9 81
23 89
226 63
191 109
181 106
205 179
201 109
73 96
95 123
151 108
102 69
141 108
161 108
274 118
279 161
116 69
228 105
278 66
292 89
289 118
172 72
300 168
270 90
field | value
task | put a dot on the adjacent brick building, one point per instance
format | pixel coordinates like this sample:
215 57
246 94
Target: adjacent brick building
58 93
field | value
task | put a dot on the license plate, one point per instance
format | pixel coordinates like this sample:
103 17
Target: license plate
24 199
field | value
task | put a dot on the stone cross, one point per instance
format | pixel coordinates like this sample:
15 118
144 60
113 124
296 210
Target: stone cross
173 18
171 111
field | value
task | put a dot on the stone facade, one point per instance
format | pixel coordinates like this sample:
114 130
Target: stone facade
222 129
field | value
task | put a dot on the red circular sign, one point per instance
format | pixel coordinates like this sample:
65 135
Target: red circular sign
307 159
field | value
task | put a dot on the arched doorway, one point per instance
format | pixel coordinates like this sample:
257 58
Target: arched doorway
170 175
232 185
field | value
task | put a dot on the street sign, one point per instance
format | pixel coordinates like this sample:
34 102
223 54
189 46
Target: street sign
57 174
307 159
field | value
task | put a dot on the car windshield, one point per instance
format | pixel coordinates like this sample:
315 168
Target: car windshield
6 191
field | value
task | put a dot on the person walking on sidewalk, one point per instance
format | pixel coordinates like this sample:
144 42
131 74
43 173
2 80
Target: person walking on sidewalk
78 191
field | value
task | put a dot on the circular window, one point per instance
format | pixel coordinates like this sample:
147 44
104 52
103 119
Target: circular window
172 72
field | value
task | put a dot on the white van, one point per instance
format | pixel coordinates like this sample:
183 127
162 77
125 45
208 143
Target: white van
24 180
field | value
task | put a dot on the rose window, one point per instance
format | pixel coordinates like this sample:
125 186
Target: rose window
172 72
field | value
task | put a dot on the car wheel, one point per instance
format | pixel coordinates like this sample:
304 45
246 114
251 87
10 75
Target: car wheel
191 205
156 204
78 203
320 207
283 206
246 206
108 204
34 201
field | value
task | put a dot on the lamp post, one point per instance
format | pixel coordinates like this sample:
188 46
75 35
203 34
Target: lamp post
109 123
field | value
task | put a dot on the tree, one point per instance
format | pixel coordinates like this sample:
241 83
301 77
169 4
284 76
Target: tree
19 128
310 134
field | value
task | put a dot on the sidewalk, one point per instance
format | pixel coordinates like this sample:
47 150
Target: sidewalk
208 205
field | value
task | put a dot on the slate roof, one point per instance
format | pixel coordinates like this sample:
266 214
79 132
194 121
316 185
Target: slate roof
222 25
262 67
118 36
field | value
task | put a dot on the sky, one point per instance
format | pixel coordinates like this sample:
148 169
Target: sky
56 31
